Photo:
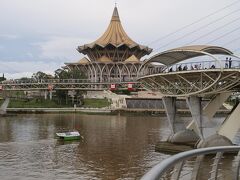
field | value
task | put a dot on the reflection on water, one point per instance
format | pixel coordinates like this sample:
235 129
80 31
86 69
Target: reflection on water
114 147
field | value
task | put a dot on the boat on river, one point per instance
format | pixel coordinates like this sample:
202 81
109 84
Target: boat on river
68 136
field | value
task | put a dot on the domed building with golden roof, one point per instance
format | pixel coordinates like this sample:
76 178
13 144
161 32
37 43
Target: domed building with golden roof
114 57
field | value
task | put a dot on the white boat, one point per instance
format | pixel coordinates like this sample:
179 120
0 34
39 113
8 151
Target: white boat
69 135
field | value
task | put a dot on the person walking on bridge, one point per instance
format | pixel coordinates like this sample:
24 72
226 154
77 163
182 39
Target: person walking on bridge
230 62
226 63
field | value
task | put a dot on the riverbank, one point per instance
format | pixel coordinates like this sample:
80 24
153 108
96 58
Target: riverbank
42 103
59 110
107 110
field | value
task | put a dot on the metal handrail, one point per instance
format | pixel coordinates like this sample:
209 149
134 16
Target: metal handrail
63 81
158 170
200 65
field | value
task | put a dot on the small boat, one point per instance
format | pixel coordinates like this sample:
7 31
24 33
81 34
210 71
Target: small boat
68 136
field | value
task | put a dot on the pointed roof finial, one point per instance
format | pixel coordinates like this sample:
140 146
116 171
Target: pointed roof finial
115 16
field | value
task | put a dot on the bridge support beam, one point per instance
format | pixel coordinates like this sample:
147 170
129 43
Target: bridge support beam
194 104
179 134
215 103
227 131
171 111
210 109
231 124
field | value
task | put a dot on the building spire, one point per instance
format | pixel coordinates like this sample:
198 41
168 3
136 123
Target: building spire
115 16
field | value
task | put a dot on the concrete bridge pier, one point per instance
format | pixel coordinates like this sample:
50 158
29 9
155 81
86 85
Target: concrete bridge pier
195 107
179 133
201 114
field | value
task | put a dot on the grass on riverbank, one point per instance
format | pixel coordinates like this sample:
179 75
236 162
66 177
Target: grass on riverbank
42 103
34 103
96 103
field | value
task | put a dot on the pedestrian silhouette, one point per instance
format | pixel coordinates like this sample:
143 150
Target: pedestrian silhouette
226 63
230 62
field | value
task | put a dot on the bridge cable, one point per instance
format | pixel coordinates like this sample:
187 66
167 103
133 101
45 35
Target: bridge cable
202 27
195 22
236 50
230 42
216 29
220 37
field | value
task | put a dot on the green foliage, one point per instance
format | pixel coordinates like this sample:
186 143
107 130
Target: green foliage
125 92
69 74
96 103
34 103
2 79
25 78
1 101
62 95
233 100
41 103
41 75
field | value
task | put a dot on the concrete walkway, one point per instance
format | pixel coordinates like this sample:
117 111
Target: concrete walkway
3 108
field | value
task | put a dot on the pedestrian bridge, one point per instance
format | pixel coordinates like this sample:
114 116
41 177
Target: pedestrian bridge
194 81
182 77
215 79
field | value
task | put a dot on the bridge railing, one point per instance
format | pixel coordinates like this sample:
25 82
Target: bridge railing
206 163
47 81
201 65
67 81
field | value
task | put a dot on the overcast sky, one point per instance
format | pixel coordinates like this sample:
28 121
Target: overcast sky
40 35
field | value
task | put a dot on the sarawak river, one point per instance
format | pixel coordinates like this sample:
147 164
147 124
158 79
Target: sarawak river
114 146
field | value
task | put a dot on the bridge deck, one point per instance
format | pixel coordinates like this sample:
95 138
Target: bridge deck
66 84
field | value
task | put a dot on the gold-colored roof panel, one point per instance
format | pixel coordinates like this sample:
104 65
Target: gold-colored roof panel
104 59
84 60
115 35
132 59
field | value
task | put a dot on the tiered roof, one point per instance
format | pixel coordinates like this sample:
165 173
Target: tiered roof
115 36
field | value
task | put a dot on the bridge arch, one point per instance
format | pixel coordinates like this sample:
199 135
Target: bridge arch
177 55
